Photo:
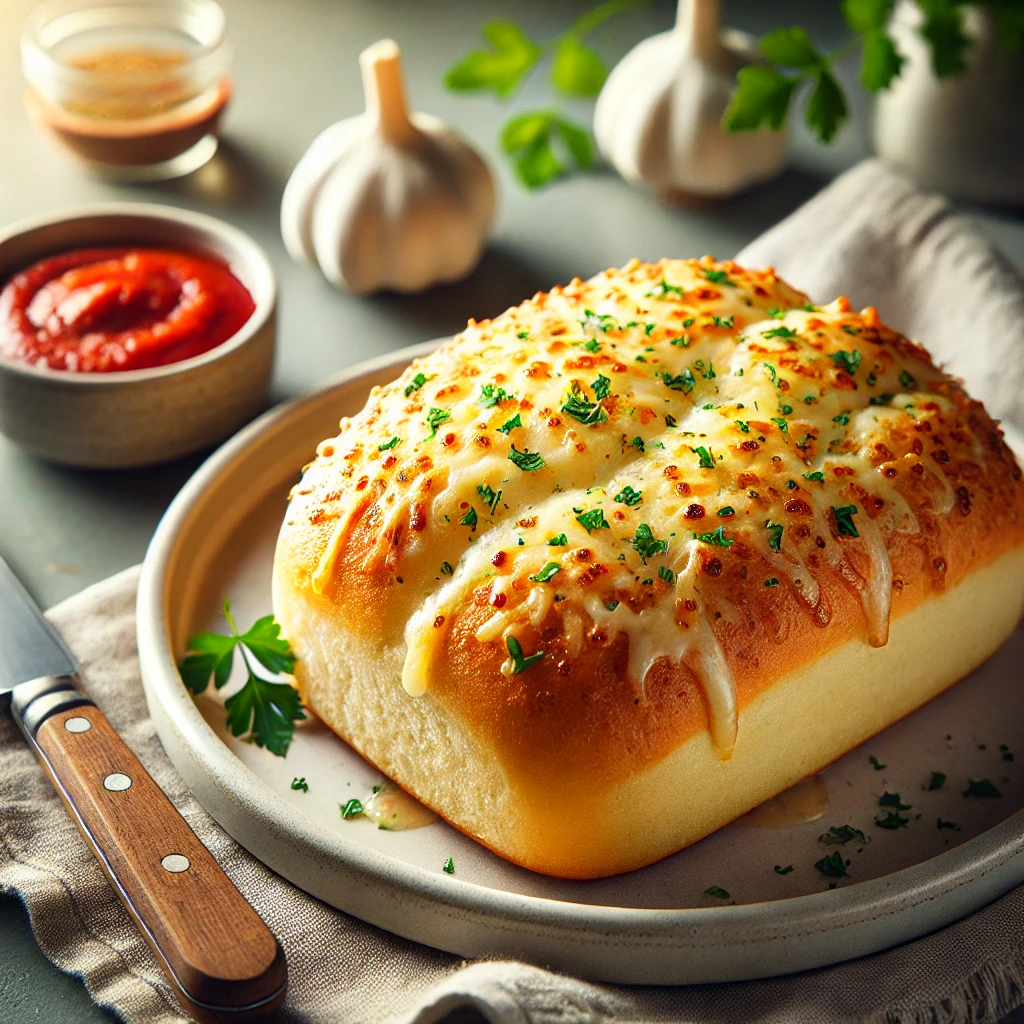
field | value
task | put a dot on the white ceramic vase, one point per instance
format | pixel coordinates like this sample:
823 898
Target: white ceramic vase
962 135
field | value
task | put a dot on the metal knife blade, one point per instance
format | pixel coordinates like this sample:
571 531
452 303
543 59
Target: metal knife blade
29 645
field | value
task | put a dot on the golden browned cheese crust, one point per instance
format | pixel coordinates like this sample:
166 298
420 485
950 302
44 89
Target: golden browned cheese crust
608 520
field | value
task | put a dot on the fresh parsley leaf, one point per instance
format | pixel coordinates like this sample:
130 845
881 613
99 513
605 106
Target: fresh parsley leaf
780 423
848 361
706 457
681 382
842 834
559 541
543 145
816 475
717 538
790 48
936 781
638 443
725 511
548 573
892 800
844 520
981 788
387 445
775 531
501 69
592 520
779 332
826 108
265 710
646 545
434 419
627 496
891 820
580 408
881 62
301 784
876 764
448 867
943 30
526 460
351 808
510 424
718 277
833 866
662 290
940 824
666 574
761 98
213 655
717 891
515 652
601 387
490 496
264 641
491 395
469 519
780 870
417 382
744 427
577 69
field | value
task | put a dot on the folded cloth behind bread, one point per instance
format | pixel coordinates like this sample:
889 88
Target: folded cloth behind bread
342 970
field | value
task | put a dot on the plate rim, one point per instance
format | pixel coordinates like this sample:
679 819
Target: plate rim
990 855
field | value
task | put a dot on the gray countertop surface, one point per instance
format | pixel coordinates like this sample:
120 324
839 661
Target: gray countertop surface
295 72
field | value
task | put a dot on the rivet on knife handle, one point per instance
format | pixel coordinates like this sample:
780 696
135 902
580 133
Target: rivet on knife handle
220 957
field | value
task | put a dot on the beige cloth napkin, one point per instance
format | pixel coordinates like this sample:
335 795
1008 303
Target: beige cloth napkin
345 971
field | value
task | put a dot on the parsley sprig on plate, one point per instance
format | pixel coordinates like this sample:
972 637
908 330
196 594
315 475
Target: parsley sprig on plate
264 709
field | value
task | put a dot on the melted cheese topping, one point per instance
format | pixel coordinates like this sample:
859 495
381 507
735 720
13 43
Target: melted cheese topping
588 458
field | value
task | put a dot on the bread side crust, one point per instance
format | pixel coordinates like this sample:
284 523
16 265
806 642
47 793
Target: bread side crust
803 722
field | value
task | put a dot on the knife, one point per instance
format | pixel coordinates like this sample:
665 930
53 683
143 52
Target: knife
220 958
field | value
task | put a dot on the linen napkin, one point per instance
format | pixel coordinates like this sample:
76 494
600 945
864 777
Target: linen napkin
343 970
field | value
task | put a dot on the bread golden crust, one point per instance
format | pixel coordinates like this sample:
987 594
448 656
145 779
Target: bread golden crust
745 485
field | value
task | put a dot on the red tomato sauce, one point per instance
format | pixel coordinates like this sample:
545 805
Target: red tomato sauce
100 310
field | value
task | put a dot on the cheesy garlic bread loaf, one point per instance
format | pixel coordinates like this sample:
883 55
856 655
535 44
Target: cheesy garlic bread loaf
609 570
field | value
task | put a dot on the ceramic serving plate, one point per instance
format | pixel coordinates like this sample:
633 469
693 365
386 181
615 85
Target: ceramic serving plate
748 901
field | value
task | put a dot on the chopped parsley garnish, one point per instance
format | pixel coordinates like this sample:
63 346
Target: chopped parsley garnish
434 419
716 538
907 379
780 423
592 345
785 409
663 289
744 427
844 520
891 820
446 568
707 372
940 825
777 312
936 781
681 382
892 800
627 496
707 459
666 574
847 360
266 710
717 891
592 520
772 372
601 387
597 321
491 395
842 834
833 866
546 574
638 443
302 784
843 418
449 867
851 330
723 321
771 582
490 496
526 460
779 332
816 475
725 511
876 764
718 277
388 444
522 335
417 382
351 808
670 420
683 341
510 424
884 399
780 870
646 545
981 788
515 652
775 531
580 408
1006 752
558 542
469 519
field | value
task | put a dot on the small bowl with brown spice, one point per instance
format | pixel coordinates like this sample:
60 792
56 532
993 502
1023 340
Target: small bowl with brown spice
131 334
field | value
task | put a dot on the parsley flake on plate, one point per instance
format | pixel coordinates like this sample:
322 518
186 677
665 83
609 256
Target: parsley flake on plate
717 891
300 784
981 788
840 835
449 867
936 781
351 809
833 866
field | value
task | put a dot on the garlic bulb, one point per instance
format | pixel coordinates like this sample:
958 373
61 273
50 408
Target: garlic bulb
388 199
658 118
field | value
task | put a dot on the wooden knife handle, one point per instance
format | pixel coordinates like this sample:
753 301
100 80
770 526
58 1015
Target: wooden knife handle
220 957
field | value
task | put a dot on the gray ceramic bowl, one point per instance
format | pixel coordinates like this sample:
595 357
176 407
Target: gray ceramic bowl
139 417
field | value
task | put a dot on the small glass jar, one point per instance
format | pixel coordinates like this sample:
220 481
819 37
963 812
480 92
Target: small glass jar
135 88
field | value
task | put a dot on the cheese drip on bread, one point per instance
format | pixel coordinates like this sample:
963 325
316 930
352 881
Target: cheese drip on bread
585 467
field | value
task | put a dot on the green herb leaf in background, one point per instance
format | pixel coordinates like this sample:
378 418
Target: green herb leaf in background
501 69
545 146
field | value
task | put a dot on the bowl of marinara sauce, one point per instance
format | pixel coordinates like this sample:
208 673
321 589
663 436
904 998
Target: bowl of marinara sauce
131 334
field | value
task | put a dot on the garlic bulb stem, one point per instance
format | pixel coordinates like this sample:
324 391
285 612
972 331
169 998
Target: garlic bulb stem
699 23
384 89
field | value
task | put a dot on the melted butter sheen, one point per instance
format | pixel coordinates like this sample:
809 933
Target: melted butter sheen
608 408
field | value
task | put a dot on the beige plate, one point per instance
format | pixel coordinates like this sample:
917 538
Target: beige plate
653 925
